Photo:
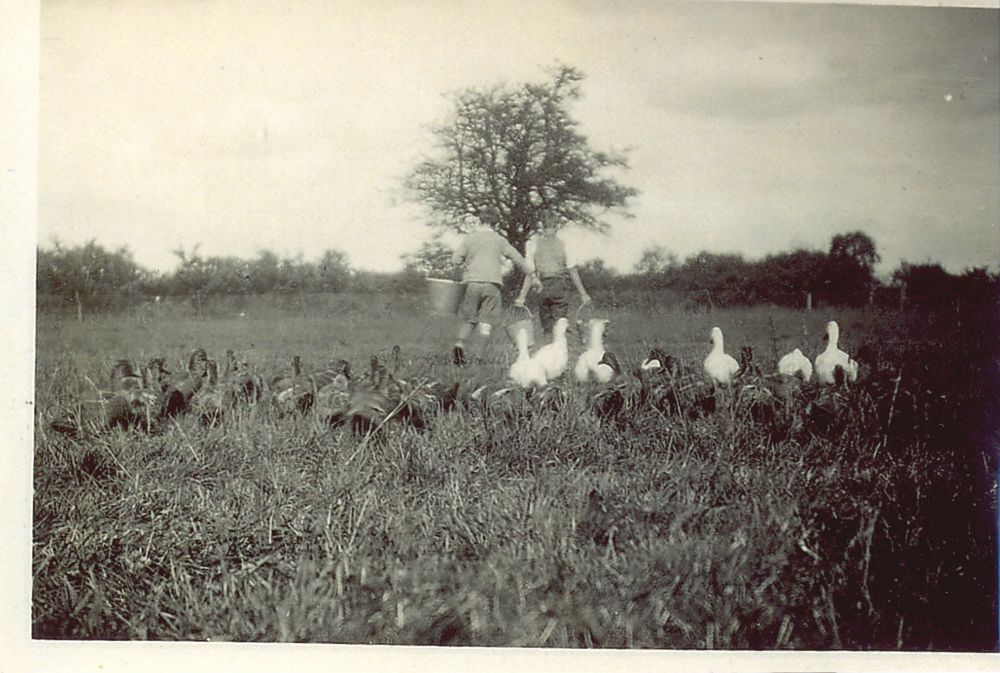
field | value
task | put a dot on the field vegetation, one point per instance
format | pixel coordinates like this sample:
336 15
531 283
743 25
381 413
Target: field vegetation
865 519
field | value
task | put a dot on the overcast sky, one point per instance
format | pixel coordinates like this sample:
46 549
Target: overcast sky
753 128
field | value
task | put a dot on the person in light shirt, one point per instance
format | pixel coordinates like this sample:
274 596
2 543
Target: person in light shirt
481 252
556 275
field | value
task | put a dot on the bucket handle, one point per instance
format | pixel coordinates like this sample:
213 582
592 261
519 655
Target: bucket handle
581 334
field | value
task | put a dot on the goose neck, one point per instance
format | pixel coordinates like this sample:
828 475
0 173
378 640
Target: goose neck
596 339
833 335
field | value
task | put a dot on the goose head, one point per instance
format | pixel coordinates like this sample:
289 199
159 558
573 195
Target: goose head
559 330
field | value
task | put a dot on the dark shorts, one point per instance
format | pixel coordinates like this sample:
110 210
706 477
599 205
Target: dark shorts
553 300
481 303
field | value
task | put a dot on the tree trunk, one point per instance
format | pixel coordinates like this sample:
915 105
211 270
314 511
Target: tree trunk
79 306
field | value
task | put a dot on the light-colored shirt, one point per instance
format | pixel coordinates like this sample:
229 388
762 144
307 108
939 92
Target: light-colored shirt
548 255
482 252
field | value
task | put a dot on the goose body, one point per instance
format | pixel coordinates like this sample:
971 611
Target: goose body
832 359
553 357
748 365
182 387
795 364
526 372
124 377
366 407
245 385
657 359
284 381
155 375
306 389
211 400
720 367
129 403
595 360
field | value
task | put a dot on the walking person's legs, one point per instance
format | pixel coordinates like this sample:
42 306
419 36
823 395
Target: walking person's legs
553 303
480 308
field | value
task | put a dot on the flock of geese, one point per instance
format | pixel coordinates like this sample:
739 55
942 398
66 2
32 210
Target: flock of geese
152 396
670 386
550 361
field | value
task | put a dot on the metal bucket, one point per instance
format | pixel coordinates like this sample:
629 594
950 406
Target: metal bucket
526 324
446 295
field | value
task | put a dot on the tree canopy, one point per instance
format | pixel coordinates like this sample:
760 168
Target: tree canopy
518 150
850 267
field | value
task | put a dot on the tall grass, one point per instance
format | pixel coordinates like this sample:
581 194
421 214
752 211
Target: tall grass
521 525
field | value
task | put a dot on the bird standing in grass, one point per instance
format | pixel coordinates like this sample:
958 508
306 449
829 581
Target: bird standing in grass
720 367
211 400
658 359
526 372
284 381
128 403
182 387
832 359
154 375
748 364
595 360
246 385
795 364
553 357
304 390
124 377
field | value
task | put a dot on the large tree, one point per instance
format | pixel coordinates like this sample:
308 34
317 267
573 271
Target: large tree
850 273
519 151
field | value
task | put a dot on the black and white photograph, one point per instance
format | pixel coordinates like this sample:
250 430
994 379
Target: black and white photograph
513 328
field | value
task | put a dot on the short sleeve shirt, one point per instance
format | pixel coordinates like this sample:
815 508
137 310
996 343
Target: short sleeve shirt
549 256
482 251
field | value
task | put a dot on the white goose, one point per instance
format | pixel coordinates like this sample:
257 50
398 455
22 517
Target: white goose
595 360
720 367
794 364
833 358
525 371
554 357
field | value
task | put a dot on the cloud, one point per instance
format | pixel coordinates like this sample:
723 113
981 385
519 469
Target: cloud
249 125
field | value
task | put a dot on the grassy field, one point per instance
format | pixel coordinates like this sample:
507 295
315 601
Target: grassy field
534 526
